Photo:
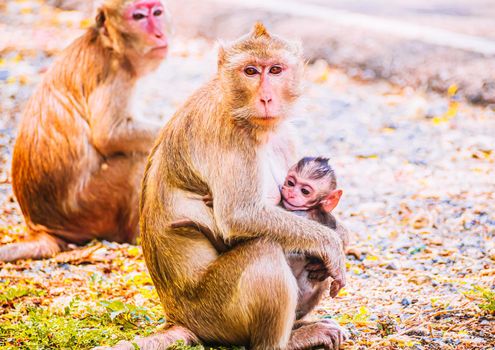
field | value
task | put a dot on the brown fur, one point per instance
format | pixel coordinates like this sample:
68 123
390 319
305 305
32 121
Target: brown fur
216 143
79 154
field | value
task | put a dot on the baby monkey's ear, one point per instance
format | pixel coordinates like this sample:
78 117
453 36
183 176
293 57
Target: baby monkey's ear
331 200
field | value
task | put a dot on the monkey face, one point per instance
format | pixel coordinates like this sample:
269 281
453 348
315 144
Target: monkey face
262 73
303 191
266 81
299 193
145 20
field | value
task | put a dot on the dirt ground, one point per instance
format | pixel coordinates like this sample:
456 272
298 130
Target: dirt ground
417 169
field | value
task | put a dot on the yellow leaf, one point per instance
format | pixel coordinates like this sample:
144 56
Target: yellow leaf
387 130
370 156
357 271
26 10
363 310
85 23
452 90
23 80
2 62
133 251
324 76
10 80
439 120
17 58
452 110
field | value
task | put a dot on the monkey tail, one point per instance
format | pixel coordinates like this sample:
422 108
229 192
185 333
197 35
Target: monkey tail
39 245
161 340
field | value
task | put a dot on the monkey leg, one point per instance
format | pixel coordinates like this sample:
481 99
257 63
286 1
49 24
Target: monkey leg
38 246
308 334
159 341
310 290
106 207
326 334
247 296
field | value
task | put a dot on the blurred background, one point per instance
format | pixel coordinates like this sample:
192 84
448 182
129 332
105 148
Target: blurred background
400 94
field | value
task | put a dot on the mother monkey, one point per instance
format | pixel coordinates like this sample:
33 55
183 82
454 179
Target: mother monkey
230 140
80 153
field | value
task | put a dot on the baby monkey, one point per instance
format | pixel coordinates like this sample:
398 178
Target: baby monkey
309 190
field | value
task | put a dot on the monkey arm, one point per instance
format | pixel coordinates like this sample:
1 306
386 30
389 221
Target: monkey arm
329 220
292 232
126 136
113 129
215 241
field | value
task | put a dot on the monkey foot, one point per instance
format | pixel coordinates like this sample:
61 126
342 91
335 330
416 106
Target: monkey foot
324 333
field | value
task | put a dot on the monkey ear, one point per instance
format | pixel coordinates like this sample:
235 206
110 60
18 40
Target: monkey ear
100 18
332 199
259 30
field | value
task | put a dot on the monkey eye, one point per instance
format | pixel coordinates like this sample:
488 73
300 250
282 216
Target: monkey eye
250 71
157 12
137 16
275 70
290 183
305 191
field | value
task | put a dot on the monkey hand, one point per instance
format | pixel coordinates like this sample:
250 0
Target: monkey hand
208 200
317 271
334 260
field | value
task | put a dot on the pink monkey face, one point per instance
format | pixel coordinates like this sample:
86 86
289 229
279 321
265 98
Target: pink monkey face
299 193
147 20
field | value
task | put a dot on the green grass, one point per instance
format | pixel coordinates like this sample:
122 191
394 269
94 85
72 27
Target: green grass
488 303
77 327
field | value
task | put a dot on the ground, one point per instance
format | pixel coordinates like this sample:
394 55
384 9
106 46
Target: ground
417 171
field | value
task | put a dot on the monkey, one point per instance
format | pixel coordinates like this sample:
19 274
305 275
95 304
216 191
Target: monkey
80 153
219 143
309 190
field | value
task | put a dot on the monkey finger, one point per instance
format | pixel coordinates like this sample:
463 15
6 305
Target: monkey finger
335 287
315 267
208 200
317 276
182 223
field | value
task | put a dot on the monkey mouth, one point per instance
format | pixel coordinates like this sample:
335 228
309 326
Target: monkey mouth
289 206
265 120
159 51
158 48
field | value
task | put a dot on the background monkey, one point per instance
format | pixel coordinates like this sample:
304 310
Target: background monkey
310 190
219 143
79 154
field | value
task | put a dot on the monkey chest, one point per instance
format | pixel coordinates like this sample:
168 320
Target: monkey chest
273 170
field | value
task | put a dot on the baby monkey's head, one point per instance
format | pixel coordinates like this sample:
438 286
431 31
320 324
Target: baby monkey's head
311 184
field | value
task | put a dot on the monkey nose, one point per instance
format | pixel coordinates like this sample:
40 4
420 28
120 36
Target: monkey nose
266 100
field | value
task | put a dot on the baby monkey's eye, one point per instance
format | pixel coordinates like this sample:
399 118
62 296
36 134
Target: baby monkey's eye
290 183
250 71
137 16
305 191
276 70
157 12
